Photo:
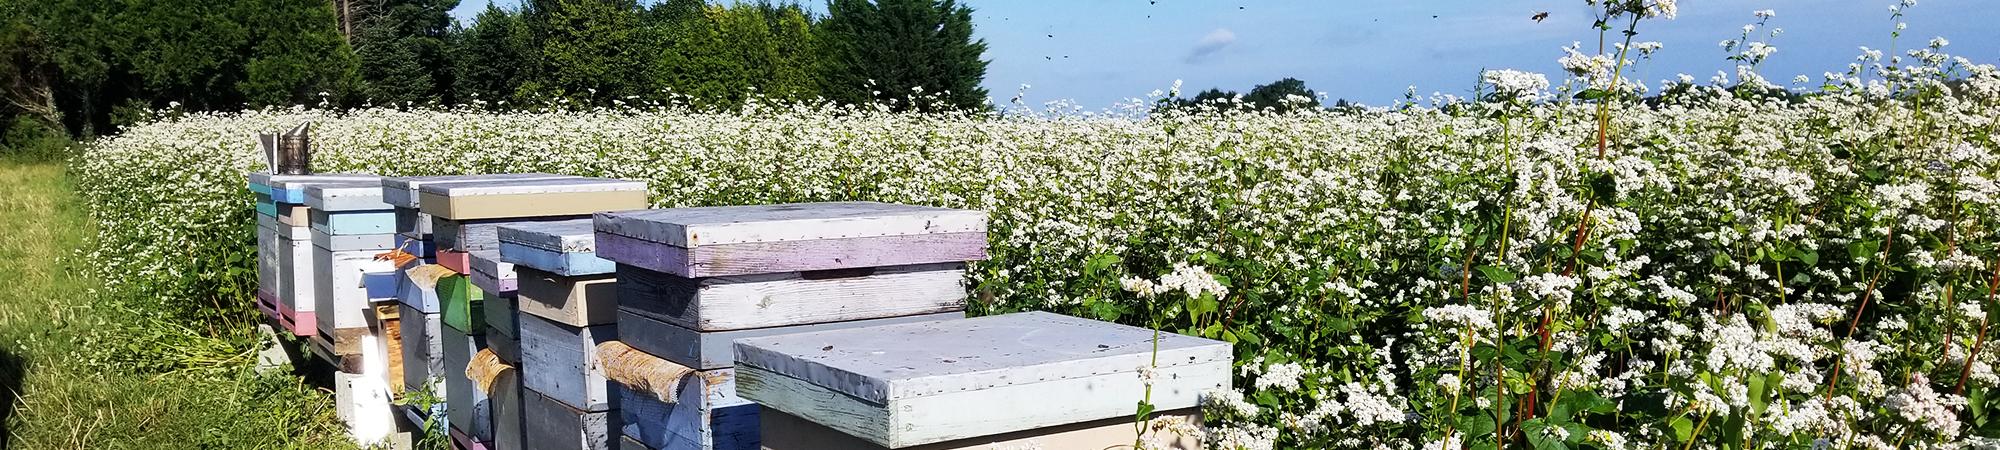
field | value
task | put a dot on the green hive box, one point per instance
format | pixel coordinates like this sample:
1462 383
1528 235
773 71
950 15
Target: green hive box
462 305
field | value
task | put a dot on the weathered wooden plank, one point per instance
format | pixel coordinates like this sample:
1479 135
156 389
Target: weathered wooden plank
267 303
508 411
530 198
341 300
417 287
567 247
505 345
919 359
502 313
561 362
301 324
350 242
462 441
293 215
354 222
1006 409
413 222
268 281
792 256
480 234
491 274
462 303
707 414
564 264
710 350
423 349
573 301
547 423
796 298
459 262
347 196
402 191
789 432
718 225
266 207
467 408
919 375
388 322
297 276
292 188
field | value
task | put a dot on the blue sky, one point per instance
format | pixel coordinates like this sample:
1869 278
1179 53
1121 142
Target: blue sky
1097 52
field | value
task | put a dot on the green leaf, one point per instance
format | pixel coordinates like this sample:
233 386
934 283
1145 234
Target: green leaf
1098 263
1864 249
1683 429
1145 409
1497 274
1721 260
1757 393
1809 257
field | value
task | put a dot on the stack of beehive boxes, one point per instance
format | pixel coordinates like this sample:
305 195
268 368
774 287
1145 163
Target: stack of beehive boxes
351 228
285 264
691 280
1024 380
420 311
465 221
565 306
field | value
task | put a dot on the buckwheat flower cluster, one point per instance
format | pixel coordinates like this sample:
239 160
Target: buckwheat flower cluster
1284 377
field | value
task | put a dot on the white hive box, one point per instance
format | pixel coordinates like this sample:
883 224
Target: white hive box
530 198
919 383
737 302
343 296
561 362
292 188
711 349
762 239
403 191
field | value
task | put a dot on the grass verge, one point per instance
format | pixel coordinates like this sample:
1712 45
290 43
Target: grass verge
84 368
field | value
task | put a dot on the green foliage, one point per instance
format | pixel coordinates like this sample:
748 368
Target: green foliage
913 54
491 58
295 55
724 55
1283 95
404 52
590 50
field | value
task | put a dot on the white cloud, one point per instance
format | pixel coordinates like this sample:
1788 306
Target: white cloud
1211 44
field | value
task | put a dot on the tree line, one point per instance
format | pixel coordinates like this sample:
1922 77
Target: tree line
71 68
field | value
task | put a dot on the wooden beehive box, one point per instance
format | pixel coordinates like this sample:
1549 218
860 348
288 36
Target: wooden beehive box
466 406
548 423
423 349
342 298
530 198
481 234
762 239
298 278
736 302
711 349
668 406
268 281
562 362
292 188
402 191
564 247
911 384
349 196
490 273
573 301
461 303
1117 433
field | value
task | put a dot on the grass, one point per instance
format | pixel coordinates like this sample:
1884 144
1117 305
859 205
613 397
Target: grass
85 368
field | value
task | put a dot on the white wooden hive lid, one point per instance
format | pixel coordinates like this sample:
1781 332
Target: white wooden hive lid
488 262
718 225
562 236
413 183
543 186
297 181
346 196
891 362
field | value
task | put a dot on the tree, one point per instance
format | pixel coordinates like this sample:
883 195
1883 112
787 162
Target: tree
896 50
493 58
722 55
1282 95
403 52
591 51
296 54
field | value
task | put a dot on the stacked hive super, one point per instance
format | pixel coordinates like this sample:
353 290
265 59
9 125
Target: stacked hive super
465 221
285 277
1025 380
691 280
566 305
421 314
355 304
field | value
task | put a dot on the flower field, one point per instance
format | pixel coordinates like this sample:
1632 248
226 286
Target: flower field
1721 267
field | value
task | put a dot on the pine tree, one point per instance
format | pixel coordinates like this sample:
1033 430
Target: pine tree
402 48
896 50
491 60
591 51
